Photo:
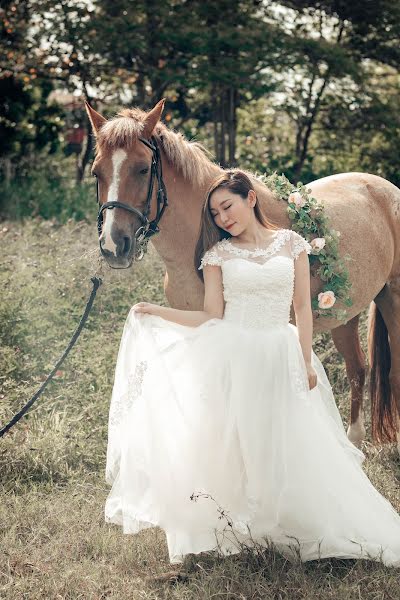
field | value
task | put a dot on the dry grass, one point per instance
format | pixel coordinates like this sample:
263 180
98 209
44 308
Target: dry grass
54 542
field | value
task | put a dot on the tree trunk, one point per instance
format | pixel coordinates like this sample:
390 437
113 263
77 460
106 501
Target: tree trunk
306 125
84 158
7 170
232 126
214 104
304 133
140 89
223 128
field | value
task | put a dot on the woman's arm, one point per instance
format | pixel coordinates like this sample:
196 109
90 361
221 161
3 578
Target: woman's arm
213 302
303 312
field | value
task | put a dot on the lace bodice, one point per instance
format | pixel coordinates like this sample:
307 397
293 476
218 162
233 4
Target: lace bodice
259 283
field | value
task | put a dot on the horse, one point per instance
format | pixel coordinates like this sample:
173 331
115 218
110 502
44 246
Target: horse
134 148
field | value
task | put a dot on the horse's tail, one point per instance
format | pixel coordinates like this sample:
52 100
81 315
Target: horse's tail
383 409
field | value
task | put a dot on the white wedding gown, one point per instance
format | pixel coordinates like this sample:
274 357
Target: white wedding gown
224 411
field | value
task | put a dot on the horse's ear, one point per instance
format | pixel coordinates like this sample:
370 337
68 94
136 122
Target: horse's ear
95 118
152 119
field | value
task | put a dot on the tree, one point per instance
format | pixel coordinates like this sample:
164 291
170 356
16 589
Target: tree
331 42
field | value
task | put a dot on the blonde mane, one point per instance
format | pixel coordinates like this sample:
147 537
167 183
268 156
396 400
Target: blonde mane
190 158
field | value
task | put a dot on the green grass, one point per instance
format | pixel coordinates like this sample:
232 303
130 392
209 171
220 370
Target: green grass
47 194
53 539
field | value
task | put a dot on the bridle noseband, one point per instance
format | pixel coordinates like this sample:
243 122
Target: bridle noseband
147 228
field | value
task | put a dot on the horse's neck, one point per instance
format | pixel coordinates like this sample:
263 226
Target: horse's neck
179 230
180 223
274 209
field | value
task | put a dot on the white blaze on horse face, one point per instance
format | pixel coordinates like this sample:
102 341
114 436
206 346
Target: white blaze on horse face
117 160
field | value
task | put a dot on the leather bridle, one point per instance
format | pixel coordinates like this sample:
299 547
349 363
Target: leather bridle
147 228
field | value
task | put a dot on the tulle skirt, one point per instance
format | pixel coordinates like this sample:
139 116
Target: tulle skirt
215 437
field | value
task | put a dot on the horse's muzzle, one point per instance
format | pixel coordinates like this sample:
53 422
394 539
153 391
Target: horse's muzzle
122 255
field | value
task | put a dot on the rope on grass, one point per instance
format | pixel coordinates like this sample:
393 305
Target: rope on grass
97 281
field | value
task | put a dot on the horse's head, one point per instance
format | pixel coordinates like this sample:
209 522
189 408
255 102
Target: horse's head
128 173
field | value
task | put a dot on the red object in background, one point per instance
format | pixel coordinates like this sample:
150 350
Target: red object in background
75 135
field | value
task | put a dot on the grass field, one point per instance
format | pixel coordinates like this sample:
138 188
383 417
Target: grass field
53 539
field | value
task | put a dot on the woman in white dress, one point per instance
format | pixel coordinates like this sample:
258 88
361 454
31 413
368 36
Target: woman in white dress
229 409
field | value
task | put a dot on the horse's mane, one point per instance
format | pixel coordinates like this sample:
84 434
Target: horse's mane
190 158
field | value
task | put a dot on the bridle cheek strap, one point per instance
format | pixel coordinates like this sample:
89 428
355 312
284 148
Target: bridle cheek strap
147 228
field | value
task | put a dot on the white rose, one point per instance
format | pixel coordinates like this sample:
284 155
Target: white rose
326 299
317 244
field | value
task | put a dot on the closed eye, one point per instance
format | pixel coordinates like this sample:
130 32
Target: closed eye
144 171
225 207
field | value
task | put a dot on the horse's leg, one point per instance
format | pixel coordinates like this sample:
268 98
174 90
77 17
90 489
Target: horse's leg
384 349
347 342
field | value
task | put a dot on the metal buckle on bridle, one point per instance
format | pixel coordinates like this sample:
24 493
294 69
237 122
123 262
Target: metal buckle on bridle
143 235
148 228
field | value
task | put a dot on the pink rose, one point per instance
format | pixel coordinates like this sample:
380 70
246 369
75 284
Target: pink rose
317 244
297 199
326 299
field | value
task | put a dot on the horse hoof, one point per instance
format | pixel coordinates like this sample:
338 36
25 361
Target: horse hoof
356 433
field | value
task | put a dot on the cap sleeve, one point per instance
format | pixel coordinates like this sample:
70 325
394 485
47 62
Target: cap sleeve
211 257
298 244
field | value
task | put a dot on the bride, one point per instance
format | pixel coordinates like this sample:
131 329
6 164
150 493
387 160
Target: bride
223 428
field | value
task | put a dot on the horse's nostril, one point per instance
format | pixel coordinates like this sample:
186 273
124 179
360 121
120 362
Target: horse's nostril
127 245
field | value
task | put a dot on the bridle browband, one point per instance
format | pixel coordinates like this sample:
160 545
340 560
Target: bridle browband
147 228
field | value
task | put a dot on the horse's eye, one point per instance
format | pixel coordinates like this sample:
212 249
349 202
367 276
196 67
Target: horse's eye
144 171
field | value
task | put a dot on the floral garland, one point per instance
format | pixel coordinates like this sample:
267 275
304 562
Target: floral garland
309 220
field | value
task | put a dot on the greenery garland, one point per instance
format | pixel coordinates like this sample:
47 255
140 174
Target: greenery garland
309 220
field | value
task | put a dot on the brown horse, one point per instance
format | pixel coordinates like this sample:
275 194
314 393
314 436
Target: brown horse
364 208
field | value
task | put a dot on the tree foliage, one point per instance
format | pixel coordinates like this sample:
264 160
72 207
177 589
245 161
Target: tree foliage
308 88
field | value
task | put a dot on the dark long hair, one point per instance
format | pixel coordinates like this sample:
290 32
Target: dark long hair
236 182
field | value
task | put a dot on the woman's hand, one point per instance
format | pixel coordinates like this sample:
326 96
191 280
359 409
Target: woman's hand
146 307
312 376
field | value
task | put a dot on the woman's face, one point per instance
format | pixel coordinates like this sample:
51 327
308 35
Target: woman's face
230 211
